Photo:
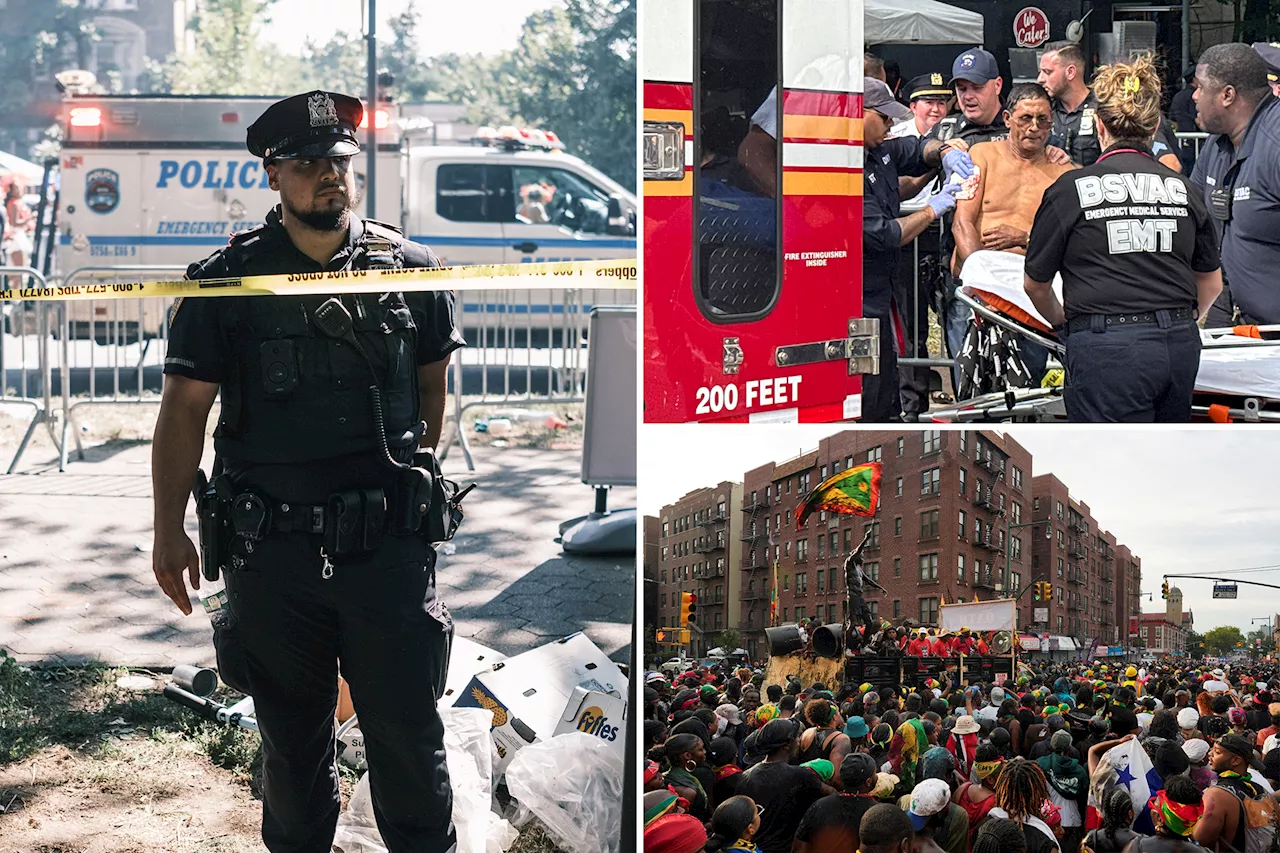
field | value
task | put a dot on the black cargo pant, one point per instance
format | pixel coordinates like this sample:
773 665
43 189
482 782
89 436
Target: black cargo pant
1134 373
380 616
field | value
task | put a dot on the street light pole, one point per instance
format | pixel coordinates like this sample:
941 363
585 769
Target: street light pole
371 115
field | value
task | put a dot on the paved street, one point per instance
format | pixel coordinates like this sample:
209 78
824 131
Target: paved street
75 563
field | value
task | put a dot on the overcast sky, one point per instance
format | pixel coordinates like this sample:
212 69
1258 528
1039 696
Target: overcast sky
446 27
1194 501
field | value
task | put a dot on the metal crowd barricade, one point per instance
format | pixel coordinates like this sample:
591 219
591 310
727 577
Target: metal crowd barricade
102 334
1196 139
24 339
523 347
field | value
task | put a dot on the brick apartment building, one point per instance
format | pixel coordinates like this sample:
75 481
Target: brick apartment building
1088 568
948 502
699 550
1166 633
961 519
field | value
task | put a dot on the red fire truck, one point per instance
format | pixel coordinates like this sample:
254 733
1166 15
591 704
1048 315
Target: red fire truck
753 277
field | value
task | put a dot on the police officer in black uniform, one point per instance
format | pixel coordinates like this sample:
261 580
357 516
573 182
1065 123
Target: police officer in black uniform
1238 173
1139 263
885 231
323 403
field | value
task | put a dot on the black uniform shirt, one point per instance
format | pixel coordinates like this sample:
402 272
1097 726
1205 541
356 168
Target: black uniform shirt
202 343
1078 129
881 205
1250 178
1127 234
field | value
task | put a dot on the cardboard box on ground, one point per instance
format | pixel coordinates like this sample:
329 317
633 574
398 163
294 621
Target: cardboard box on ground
564 686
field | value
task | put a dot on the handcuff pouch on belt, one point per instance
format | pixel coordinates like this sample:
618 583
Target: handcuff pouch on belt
356 523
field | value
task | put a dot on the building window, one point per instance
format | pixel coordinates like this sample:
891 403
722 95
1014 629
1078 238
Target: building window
897 526
784 615
873 571
835 543
664 599
824 473
897 609
875 454
897 567
786 581
931 440
1015 512
977 530
928 567
963 526
1017 478
821 577
929 524
929 481
1059 512
666 529
1015 581
964 441
848 539
902 444
873 606
848 462
1059 624
664 552
802 583
928 610
964 483
802 550
874 527
831 579
821 543
898 491
960 568
1015 547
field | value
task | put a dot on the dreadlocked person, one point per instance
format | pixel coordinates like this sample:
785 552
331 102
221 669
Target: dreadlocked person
1175 811
1021 793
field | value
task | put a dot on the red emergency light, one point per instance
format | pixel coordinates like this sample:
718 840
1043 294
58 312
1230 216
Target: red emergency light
86 117
380 120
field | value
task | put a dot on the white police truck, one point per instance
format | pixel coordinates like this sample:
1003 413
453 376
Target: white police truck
166 180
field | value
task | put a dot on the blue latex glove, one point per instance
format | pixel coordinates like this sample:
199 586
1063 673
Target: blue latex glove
944 200
955 161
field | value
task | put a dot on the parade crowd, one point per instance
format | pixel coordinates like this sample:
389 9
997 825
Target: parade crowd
1085 757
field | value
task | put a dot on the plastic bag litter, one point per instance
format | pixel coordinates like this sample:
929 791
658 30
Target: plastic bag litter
468 746
573 784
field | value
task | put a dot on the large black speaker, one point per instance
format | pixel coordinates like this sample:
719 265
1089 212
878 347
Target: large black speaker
828 641
783 640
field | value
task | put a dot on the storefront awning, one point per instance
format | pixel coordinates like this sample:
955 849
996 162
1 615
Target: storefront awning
920 22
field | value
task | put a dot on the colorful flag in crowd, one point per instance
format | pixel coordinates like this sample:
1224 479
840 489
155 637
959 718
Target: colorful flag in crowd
854 491
773 598
1127 766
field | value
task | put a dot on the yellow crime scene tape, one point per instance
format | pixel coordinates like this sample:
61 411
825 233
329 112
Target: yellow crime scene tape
616 274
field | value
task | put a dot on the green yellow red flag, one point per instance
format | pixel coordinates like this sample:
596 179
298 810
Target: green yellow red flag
854 491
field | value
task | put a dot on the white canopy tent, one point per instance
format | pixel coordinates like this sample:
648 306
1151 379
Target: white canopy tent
30 173
919 22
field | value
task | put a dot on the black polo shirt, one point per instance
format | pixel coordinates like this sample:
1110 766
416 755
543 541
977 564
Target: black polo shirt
956 126
1251 237
881 206
1127 234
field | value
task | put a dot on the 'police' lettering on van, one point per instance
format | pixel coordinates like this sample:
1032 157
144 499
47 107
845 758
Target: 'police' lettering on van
212 175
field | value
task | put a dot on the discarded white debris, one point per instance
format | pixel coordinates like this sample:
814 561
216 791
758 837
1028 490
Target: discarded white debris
446 549
137 683
468 745
573 784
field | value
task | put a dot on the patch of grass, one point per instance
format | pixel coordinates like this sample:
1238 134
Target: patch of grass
83 708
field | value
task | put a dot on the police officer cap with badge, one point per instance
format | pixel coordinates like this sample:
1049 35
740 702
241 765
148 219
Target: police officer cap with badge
931 86
326 497
1270 53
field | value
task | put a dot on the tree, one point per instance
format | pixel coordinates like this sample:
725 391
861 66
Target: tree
1223 639
55 36
729 639
1195 643
228 57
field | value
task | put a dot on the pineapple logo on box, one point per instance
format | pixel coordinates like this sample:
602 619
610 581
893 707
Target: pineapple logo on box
594 722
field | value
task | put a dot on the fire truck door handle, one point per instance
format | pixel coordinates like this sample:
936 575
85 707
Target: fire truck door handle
526 247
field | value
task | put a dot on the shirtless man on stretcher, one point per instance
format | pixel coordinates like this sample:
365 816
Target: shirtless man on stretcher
1013 175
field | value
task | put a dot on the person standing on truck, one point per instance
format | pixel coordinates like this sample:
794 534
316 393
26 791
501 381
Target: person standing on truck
325 404
885 231
1138 260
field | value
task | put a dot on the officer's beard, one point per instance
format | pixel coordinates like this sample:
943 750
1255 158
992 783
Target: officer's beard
325 220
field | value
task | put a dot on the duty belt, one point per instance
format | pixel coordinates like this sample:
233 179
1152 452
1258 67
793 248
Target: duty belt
1084 322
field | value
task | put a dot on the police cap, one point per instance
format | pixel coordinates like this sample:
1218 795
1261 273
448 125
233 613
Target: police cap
934 86
308 126
1270 54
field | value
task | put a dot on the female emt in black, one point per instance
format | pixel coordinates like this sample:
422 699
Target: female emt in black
1139 264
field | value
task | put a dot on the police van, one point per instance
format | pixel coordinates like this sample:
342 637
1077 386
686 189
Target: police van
166 180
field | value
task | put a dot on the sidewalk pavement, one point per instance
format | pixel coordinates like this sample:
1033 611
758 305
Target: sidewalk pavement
75 562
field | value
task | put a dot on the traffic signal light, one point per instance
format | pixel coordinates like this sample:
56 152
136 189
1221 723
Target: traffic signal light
1048 591
1164 590
1038 590
661 636
688 609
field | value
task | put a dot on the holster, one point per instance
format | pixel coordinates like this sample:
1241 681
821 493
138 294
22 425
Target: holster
444 511
213 516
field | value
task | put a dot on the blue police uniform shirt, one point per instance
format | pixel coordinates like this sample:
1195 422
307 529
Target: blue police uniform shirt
1251 238
881 206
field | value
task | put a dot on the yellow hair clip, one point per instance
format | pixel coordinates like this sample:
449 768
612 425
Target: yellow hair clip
1131 83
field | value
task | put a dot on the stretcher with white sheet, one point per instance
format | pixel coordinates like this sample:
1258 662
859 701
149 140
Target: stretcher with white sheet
1239 378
